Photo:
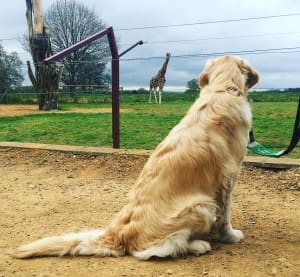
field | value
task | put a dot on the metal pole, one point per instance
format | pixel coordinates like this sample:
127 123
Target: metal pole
77 45
115 68
115 74
115 103
115 84
134 45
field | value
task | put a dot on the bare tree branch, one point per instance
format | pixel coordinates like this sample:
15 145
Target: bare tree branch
71 22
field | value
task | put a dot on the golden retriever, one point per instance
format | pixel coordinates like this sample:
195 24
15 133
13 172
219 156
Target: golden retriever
185 186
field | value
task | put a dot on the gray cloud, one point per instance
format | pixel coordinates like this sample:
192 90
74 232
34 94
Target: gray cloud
277 70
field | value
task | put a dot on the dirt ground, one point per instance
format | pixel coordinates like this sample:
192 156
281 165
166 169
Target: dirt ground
48 193
15 110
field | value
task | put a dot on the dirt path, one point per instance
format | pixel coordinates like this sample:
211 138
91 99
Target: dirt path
47 193
15 110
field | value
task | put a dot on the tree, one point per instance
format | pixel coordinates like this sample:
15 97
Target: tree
45 78
193 85
71 22
10 71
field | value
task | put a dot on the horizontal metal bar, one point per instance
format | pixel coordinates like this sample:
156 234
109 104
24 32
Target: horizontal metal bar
127 50
77 45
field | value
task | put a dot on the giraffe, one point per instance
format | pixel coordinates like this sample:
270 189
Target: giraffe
158 81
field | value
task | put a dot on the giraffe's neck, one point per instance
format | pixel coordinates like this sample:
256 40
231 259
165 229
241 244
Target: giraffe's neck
163 69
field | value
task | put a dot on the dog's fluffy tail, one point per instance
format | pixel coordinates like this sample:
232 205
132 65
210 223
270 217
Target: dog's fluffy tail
83 243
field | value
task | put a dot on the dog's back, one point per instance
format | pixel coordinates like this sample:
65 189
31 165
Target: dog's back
186 184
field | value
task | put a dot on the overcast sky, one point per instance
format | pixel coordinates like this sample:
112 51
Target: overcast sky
282 34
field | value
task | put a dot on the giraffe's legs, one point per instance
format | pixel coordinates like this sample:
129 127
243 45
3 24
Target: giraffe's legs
154 92
159 96
150 91
160 92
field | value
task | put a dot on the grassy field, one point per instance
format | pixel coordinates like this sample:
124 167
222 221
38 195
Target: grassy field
144 125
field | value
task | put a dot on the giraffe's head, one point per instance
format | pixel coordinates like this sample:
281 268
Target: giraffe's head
168 55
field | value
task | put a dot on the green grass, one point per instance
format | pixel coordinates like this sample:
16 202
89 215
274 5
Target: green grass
137 130
71 128
143 125
274 96
145 130
273 123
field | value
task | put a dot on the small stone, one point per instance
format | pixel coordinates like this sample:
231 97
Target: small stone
282 260
230 253
205 272
169 271
273 271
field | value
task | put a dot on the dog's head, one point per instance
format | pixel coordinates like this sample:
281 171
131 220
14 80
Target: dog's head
229 71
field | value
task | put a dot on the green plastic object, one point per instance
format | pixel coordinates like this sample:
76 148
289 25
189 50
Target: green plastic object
261 150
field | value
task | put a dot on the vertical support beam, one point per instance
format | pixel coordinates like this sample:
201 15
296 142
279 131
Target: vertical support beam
115 103
115 73
115 89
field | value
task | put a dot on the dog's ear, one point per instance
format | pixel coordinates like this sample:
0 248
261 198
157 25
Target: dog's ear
252 78
252 74
203 80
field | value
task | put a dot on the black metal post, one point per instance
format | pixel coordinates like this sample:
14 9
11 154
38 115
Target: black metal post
115 103
115 85
77 45
115 73
134 45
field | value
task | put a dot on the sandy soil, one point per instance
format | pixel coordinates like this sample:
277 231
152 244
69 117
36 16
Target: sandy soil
14 110
48 193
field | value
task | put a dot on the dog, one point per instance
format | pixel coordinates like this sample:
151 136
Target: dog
185 188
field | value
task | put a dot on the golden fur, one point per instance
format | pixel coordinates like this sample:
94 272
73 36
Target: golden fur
185 186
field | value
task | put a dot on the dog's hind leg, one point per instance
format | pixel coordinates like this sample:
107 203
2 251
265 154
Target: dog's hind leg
174 245
196 219
198 247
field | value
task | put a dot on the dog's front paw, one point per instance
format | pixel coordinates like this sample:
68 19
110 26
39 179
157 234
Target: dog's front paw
232 236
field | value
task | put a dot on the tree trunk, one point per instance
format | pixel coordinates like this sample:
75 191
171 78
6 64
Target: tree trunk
46 78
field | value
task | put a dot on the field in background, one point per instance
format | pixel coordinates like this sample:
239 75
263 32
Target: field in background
143 125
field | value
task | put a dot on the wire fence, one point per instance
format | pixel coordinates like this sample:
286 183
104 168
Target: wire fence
101 94
75 123
92 94
78 94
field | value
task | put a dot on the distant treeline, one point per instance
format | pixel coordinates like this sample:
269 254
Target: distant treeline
106 89
27 95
